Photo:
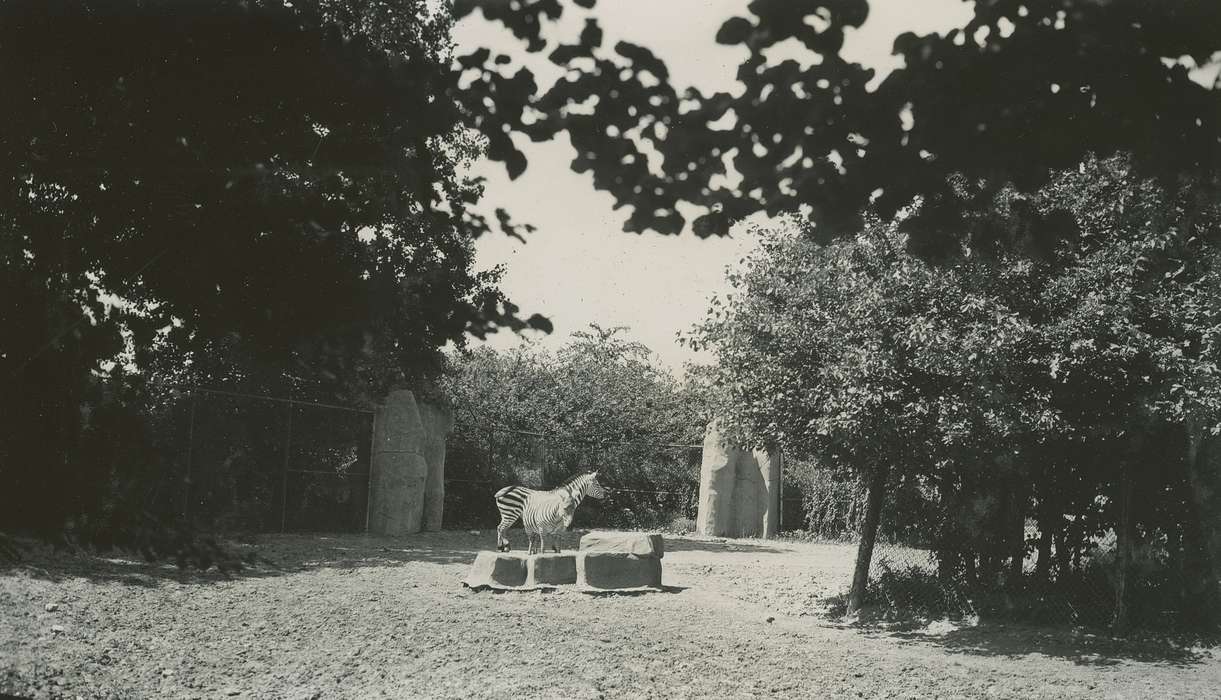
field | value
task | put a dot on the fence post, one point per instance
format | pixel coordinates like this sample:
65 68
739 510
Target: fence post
186 504
369 481
288 444
543 464
1124 533
780 489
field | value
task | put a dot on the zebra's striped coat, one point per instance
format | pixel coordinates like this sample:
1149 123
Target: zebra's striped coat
543 512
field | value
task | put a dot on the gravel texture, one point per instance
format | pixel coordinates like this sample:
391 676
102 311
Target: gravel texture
364 617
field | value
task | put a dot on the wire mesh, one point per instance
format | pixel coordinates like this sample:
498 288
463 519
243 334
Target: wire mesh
263 464
1075 586
987 556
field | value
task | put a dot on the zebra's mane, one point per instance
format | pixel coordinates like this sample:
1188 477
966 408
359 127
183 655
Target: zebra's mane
574 479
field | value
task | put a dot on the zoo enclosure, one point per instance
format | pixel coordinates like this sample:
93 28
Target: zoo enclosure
268 464
991 552
651 484
257 463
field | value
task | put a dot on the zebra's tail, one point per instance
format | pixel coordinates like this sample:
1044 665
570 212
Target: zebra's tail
503 492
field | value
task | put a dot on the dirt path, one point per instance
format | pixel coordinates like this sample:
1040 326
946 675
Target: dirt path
350 616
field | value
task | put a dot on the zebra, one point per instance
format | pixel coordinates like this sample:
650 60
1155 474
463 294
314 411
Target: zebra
543 512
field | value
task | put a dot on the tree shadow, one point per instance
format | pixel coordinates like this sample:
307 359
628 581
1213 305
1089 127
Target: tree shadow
1076 645
266 556
633 592
286 554
684 544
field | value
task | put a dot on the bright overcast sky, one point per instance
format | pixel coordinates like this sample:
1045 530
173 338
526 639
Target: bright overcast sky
580 267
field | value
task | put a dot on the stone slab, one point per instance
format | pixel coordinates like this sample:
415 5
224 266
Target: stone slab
605 571
497 570
551 569
640 544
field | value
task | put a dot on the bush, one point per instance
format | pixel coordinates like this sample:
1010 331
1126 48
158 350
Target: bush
680 526
833 501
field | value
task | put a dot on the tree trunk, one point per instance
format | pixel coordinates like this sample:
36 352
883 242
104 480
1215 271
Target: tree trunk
1198 536
949 540
869 533
1124 532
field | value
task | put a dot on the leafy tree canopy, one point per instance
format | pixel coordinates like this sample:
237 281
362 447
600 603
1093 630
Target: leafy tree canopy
598 402
227 190
860 338
1001 381
598 387
1025 88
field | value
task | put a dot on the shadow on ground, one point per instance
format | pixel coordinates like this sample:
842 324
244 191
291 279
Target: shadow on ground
278 555
634 593
1080 647
271 555
718 545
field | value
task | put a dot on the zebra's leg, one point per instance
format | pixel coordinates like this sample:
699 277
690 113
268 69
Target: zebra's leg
529 542
502 543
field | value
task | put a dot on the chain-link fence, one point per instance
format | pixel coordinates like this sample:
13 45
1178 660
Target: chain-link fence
1076 586
982 558
651 485
264 464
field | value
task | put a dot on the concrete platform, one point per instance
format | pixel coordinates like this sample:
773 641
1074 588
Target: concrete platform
638 543
551 569
590 570
611 571
497 570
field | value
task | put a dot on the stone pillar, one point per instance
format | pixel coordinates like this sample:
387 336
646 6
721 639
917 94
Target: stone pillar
438 423
769 469
717 471
739 490
749 496
396 499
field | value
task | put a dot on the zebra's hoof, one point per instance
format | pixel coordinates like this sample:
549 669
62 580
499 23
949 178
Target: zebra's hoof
503 548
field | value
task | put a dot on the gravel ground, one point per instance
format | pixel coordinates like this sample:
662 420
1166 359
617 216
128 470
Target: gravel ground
365 617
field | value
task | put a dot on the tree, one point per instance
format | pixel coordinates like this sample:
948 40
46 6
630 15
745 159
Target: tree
598 402
1025 88
237 190
1136 357
1002 380
865 358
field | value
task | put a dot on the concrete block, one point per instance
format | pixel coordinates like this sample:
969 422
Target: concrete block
617 570
551 569
497 570
642 545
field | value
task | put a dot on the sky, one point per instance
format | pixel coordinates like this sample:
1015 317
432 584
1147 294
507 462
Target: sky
579 266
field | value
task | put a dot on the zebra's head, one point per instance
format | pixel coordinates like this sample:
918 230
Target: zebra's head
593 488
